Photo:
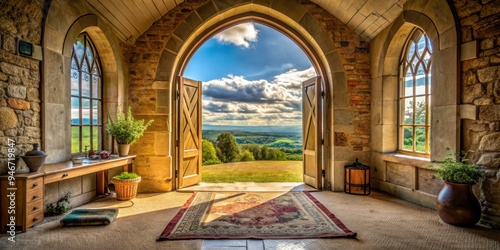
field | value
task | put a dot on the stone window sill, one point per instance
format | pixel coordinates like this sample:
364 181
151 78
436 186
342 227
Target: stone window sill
421 162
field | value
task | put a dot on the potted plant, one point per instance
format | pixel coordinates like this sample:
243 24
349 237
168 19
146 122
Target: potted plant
126 185
126 130
456 203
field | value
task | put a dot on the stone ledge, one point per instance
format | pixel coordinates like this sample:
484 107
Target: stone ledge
411 160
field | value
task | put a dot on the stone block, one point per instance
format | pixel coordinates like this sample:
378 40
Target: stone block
326 44
401 175
154 185
207 10
427 183
194 20
469 50
161 85
51 194
445 80
310 24
223 5
8 118
144 146
73 185
17 91
18 104
89 182
83 198
160 122
292 9
490 160
166 62
163 98
174 44
162 144
160 167
489 113
490 142
488 74
54 89
343 117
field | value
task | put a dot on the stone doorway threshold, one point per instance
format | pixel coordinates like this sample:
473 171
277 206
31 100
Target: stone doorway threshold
248 187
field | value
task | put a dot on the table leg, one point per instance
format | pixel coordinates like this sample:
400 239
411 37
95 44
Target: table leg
102 182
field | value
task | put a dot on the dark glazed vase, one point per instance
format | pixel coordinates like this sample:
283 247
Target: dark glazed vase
35 158
457 205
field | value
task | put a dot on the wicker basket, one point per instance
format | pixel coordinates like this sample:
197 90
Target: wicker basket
126 189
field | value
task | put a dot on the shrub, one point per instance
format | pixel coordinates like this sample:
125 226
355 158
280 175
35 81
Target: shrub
126 176
454 171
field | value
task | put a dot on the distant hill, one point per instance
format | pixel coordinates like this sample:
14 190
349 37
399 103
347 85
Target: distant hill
271 129
275 136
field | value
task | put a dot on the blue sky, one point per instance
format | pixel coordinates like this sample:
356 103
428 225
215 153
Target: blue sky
251 76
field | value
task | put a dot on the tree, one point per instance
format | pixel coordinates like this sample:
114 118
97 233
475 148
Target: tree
247 156
208 153
229 149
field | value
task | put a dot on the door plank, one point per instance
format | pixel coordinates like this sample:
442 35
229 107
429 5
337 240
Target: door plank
312 132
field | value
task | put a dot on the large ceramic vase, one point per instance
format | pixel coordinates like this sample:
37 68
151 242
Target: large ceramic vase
457 205
123 149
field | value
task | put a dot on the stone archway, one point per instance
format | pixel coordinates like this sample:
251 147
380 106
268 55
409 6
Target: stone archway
294 20
338 53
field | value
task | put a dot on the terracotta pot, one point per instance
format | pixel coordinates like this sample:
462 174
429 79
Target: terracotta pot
123 149
457 205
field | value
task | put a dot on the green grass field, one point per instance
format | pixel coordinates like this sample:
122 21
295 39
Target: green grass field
253 171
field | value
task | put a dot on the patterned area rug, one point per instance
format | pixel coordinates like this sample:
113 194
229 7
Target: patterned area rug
208 215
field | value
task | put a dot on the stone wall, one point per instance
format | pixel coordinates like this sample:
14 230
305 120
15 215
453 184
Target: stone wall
480 86
150 97
19 77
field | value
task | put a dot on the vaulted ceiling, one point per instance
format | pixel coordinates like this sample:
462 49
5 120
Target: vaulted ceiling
131 18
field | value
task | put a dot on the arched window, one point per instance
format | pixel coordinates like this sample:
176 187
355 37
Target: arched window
86 96
414 94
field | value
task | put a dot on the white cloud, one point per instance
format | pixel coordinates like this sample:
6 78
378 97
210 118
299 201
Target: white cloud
233 100
240 35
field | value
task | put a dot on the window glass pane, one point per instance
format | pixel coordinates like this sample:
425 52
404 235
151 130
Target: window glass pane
95 86
421 46
75 140
407 138
408 88
90 55
75 110
429 83
95 112
78 48
408 111
86 84
75 86
96 137
420 110
411 51
420 139
86 136
85 111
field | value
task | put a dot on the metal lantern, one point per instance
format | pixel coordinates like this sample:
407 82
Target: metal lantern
357 179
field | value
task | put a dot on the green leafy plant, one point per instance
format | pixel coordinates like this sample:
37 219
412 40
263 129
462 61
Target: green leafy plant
126 129
126 176
461 171
61 206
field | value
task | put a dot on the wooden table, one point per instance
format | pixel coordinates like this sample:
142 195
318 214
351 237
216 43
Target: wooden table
28 188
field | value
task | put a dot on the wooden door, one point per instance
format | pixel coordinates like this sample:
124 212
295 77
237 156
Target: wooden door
189 133
312 132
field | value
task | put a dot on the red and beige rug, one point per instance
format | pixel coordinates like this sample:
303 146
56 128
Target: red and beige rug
208 215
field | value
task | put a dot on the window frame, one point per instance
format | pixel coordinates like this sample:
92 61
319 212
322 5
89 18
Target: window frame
91 98
412 40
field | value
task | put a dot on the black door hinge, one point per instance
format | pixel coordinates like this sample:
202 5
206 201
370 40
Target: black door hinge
322 141
177 94
177 143
176 174
323 94
323 173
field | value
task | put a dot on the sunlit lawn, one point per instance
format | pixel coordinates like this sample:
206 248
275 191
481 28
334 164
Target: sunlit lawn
254 171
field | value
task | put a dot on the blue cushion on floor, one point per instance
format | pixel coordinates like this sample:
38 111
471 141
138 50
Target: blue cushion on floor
90 217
